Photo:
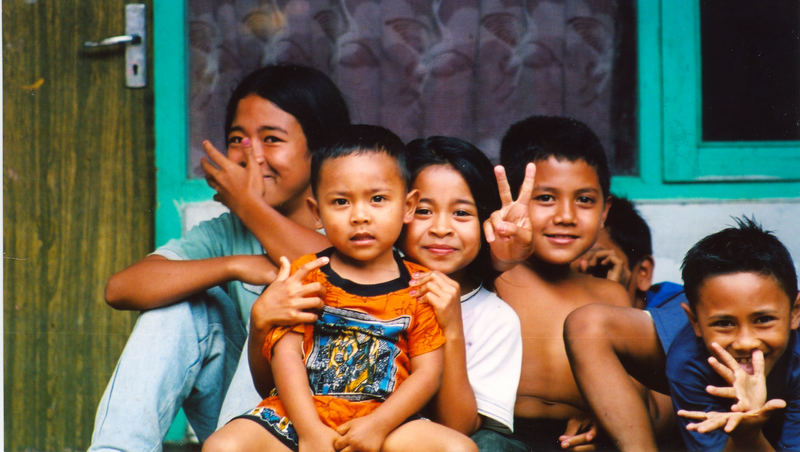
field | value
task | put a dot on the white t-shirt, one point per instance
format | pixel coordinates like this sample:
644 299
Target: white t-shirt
494 353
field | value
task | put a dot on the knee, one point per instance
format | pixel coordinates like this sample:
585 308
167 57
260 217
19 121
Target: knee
219 442
589 322
462 444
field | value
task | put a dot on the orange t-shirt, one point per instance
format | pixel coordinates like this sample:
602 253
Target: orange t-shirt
359 349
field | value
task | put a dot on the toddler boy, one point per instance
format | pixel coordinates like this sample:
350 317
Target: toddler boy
373 358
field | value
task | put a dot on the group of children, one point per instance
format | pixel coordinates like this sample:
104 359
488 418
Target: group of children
454 306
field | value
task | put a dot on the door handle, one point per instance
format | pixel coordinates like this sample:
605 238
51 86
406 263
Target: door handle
134 40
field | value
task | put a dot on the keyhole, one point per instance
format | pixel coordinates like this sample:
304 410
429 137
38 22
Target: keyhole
135 69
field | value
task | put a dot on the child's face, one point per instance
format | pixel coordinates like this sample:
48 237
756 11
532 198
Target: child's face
362 203
744 312
279 148
567 210
445 234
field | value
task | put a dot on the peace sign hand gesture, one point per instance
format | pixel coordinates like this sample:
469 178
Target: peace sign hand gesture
508 230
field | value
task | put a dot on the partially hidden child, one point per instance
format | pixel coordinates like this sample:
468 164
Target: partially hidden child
357 377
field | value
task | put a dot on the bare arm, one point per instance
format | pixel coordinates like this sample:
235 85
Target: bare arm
291 380
156 281
241 190
287 301
454 404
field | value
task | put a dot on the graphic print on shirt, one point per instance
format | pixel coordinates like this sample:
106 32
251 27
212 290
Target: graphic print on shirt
353 355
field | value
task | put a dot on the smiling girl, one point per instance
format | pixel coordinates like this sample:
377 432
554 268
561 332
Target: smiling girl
483 352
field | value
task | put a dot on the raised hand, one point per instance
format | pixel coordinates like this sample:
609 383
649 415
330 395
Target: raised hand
287 301
748 387
442 293
508 230
233 183
604 263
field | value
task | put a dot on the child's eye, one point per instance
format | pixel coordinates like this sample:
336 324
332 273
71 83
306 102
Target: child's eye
272 139
545 198
722 324
423 211
339 202
234 139
378 198
761 320
585 200
462 213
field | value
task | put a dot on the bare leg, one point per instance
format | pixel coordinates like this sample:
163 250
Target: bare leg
428 436
606 345
243 435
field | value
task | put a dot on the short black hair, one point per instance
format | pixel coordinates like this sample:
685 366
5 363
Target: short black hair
303 92
628 230
361 139
477 171
540 137
745 248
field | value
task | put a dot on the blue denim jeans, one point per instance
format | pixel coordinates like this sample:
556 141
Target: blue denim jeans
491 441
184 355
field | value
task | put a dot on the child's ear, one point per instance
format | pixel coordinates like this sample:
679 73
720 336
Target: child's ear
314 208
692 319
606 206
412 199
795 315
643 274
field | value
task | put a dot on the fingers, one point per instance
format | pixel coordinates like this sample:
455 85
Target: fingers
758 364
774 404
213 154
693 414
724 371
503 189
575 442
727 391
488 231
726 359
526 190
283 272
308 267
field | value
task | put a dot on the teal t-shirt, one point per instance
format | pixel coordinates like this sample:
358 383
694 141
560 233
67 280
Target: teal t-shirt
222 236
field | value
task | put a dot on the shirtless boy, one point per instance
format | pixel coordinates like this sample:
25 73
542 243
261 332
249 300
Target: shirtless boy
565 212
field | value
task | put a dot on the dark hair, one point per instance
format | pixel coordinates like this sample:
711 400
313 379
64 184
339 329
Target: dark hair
303 92
361 139
628 230
540 137
478 173
746 248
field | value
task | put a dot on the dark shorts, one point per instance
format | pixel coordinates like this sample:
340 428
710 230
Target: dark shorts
280 427
669 319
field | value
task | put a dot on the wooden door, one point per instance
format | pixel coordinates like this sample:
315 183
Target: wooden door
78 188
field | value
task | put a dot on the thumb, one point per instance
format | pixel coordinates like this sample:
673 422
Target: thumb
283 272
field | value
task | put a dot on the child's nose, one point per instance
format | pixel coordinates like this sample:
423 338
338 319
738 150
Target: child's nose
258 152
565 212
359 214
441 225
745 341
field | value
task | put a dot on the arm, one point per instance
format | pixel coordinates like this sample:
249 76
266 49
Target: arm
508 230
368 433
454 404
291 380
241 190
287 301
134 287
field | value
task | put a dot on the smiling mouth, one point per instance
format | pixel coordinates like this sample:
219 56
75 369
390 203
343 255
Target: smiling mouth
561 238
439 249
362 237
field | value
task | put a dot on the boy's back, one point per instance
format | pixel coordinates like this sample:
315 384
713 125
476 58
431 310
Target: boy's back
547 389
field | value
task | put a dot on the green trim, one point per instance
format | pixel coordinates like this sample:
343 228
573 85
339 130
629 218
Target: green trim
693 159
171 62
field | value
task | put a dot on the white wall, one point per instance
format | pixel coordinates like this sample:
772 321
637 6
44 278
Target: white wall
676 226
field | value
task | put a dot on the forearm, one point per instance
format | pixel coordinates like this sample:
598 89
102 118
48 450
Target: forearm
293 240
291 380
750 440
156 281
454 403
411 396
260 369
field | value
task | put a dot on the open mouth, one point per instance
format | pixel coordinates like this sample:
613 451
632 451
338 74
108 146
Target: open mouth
746 364
362 238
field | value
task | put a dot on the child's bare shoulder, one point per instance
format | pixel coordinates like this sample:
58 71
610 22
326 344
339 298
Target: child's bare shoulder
601 290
